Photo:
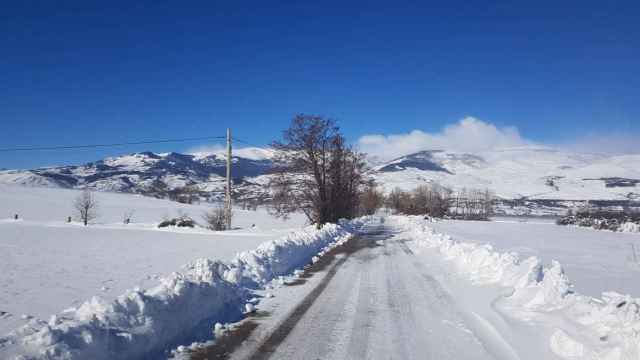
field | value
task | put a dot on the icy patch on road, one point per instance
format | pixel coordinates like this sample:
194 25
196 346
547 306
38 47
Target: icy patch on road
585 327
181 309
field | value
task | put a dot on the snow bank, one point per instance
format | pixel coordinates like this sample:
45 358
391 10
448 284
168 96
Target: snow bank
275 258
585 327
181 309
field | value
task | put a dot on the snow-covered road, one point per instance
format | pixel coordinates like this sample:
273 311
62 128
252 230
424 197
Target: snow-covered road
402 291
378 301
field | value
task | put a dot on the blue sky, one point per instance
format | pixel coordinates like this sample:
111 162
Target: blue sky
92 72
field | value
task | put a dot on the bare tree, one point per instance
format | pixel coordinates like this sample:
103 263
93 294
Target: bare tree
316 172
438 200
127 216
371 200
488 201
86 206
216 218
432 199
393 200
473 204
186 195
401 202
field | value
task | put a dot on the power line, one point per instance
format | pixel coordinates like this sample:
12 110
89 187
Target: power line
89 146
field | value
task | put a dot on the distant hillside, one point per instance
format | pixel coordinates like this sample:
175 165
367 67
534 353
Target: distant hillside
520 173
523 173
152 174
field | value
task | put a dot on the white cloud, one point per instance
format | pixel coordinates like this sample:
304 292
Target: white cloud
468 135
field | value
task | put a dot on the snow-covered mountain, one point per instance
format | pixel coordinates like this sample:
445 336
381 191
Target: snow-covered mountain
513 173
524 172
151 173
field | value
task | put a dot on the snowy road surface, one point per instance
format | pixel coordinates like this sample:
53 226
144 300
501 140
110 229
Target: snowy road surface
378 301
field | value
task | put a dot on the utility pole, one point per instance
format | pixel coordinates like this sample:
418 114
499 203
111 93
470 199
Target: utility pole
227 200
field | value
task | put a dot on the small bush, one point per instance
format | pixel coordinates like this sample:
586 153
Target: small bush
600 220
216 219
183 221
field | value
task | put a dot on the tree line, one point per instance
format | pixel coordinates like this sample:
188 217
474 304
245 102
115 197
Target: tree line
438 201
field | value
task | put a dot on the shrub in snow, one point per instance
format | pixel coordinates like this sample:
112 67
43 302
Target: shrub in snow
127 216
604 220
629 227
216 218
183 221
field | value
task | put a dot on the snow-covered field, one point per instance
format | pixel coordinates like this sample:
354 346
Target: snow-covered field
47 265
595 261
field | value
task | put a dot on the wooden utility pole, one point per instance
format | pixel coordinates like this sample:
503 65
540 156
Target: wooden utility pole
227 200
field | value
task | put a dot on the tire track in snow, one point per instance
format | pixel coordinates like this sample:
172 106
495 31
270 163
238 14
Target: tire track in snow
400 307
364 314
270 345
341 335
316 321
480 328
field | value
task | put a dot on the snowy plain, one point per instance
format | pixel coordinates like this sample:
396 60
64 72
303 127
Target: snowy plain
47 265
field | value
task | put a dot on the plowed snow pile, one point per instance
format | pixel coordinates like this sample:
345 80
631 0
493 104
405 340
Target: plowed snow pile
596 261
582 327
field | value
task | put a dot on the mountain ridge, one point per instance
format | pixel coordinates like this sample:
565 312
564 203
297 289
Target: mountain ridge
511 173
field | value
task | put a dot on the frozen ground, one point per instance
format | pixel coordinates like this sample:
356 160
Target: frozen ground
595 261
47 265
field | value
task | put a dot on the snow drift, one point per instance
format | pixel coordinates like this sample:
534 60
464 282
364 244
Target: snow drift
583 327
181 309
